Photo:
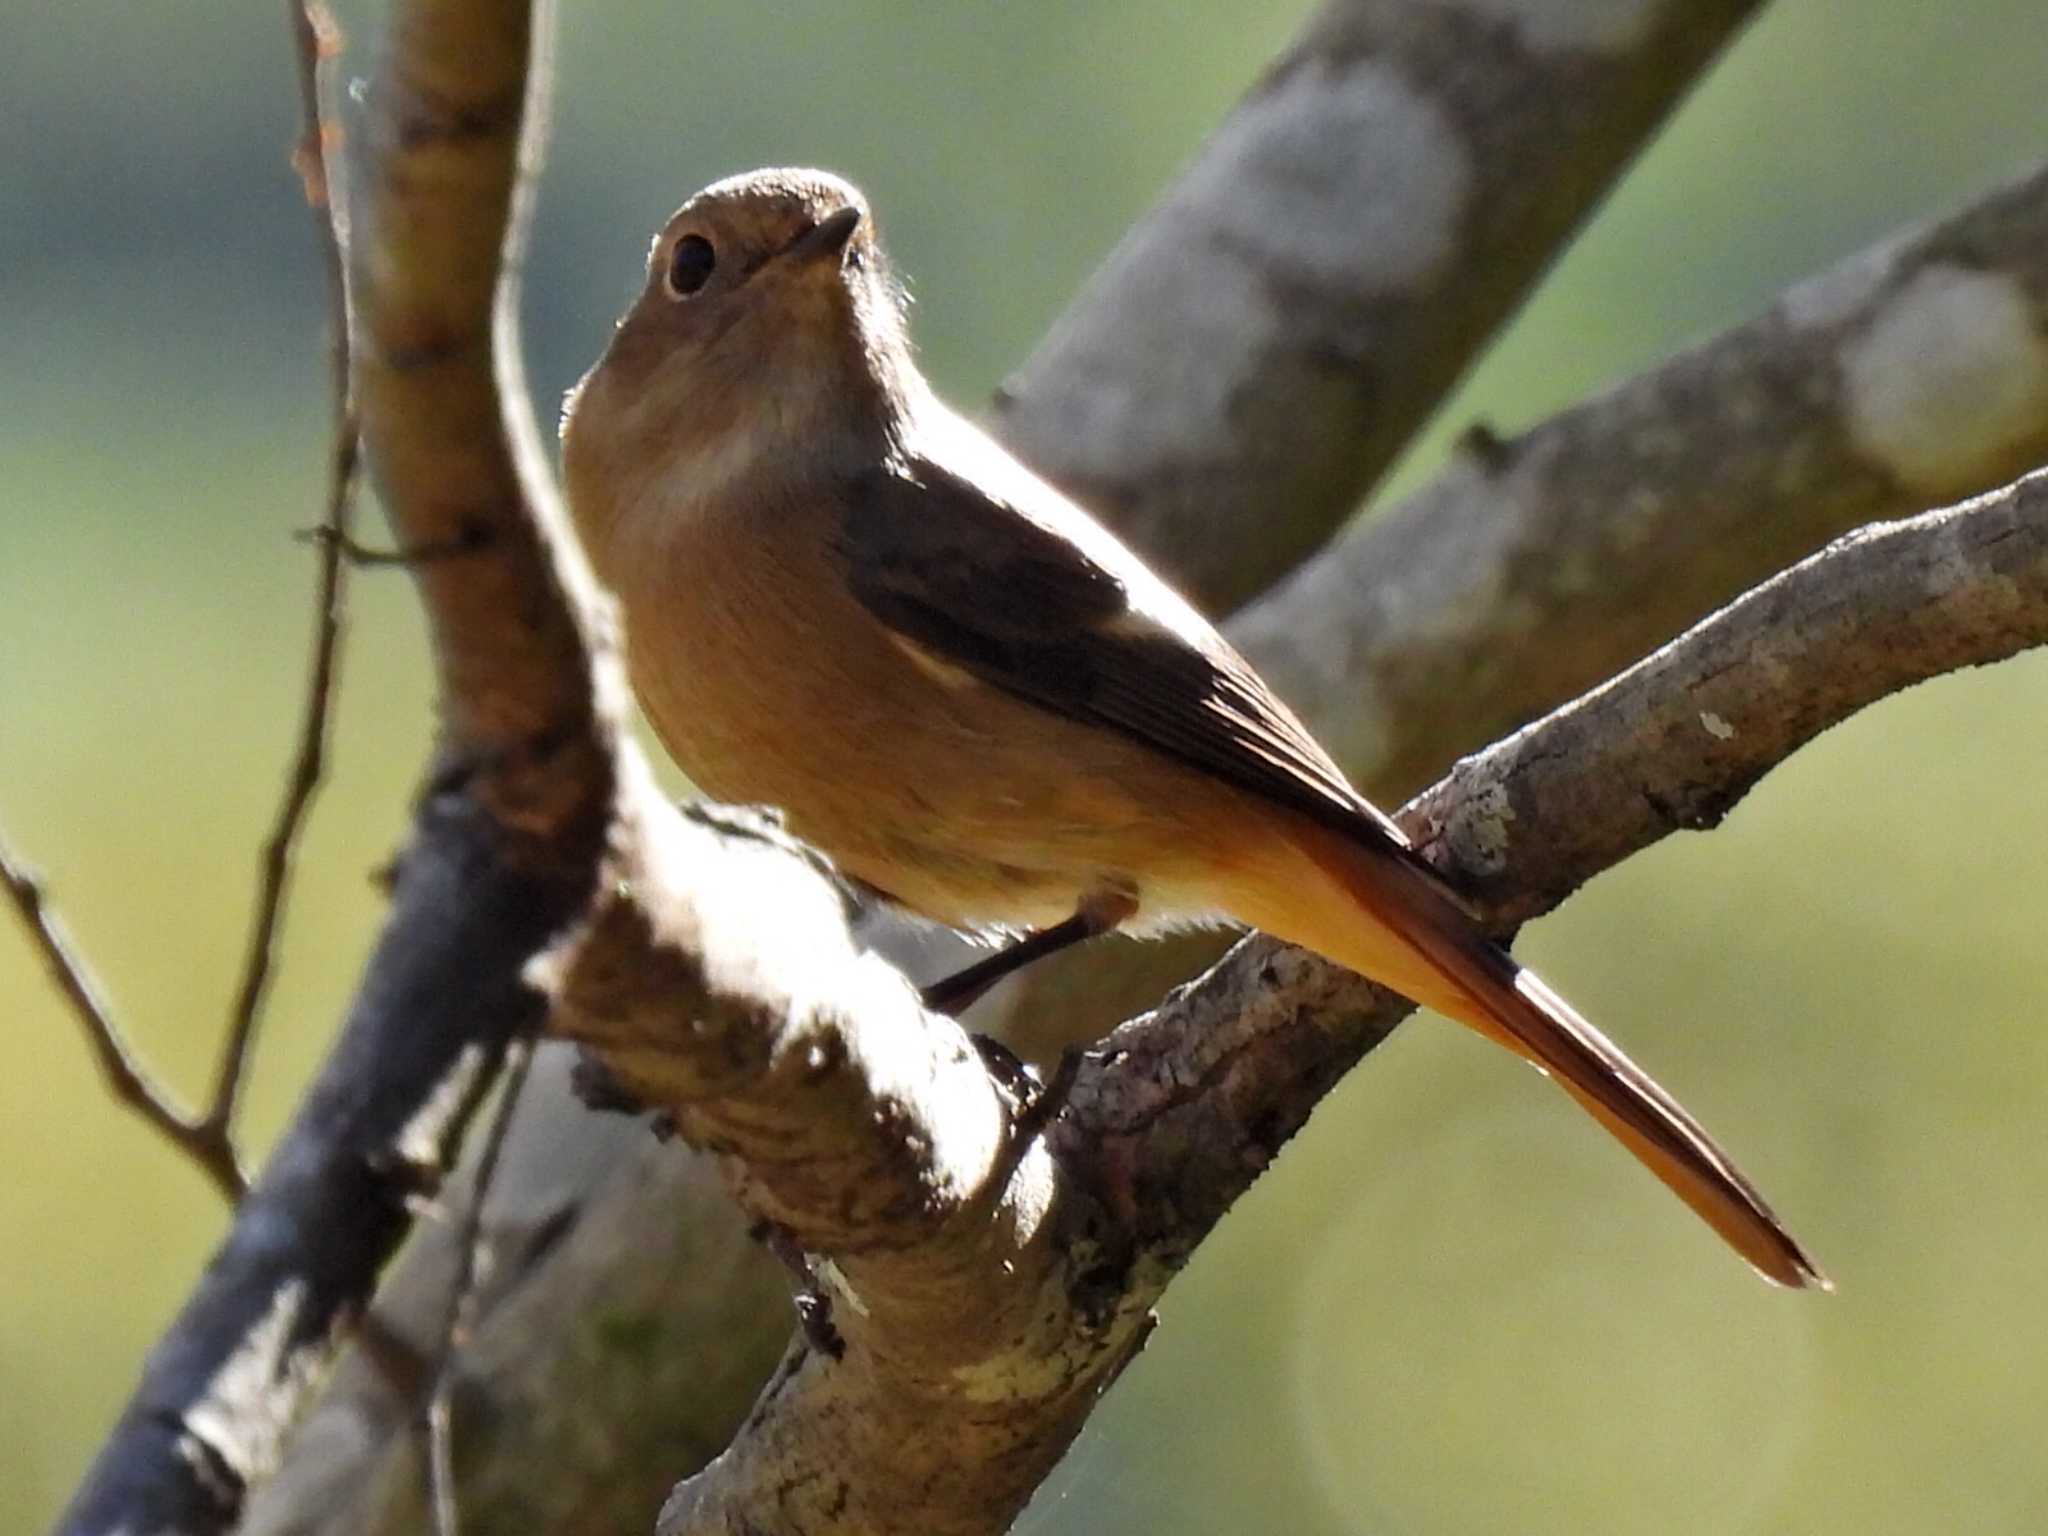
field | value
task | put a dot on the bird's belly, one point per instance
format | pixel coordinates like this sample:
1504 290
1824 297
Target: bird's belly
954 798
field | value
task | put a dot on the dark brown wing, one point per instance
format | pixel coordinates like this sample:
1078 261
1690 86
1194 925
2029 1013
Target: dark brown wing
1030 595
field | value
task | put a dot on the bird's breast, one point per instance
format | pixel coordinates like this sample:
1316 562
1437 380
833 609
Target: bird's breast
768 681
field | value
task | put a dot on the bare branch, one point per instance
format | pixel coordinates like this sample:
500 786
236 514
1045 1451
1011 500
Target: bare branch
1313 286
1670 745
208 1137
316 41
205 1143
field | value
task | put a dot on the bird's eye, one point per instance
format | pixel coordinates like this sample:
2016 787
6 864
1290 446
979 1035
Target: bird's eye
690 265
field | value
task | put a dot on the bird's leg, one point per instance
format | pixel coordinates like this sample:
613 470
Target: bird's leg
813 1302
1098 913
953 995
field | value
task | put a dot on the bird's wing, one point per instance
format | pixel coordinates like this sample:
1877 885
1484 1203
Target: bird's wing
1026 592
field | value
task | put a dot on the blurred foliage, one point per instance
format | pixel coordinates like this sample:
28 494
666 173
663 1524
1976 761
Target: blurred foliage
1452 1309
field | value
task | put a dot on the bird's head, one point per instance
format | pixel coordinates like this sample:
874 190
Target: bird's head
769 334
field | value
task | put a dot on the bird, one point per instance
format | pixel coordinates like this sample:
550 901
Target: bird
842 598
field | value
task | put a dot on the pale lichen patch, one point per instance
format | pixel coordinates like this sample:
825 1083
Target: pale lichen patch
1181 303
244 1412
1484 843
1716 726
1345 175
1949 376
1554 26
1338 183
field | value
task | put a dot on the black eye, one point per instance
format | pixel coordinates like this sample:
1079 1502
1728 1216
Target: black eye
690 265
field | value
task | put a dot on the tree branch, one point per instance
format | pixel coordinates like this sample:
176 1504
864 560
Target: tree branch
208 1137
988 1293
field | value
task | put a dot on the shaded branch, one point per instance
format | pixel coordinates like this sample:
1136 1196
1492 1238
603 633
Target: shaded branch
615 1258
459 1314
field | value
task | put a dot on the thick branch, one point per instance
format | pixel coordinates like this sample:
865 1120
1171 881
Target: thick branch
1312 287
802 1057
981 1324
718 981
458 459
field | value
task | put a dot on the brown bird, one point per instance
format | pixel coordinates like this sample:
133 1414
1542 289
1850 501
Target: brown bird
843 599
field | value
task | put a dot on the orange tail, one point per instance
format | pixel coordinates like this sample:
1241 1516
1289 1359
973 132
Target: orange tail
1419 942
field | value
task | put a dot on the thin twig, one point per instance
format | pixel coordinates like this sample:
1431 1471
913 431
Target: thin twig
462 1295
206 1144
318 40
365 557
208 1138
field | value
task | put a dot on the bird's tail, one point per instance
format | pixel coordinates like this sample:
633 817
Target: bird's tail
1401 927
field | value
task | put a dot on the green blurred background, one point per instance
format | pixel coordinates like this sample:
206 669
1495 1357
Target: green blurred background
1452 1308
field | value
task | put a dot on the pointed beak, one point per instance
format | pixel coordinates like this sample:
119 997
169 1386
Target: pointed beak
825 240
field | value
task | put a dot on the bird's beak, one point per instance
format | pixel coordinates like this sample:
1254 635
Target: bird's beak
826 239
